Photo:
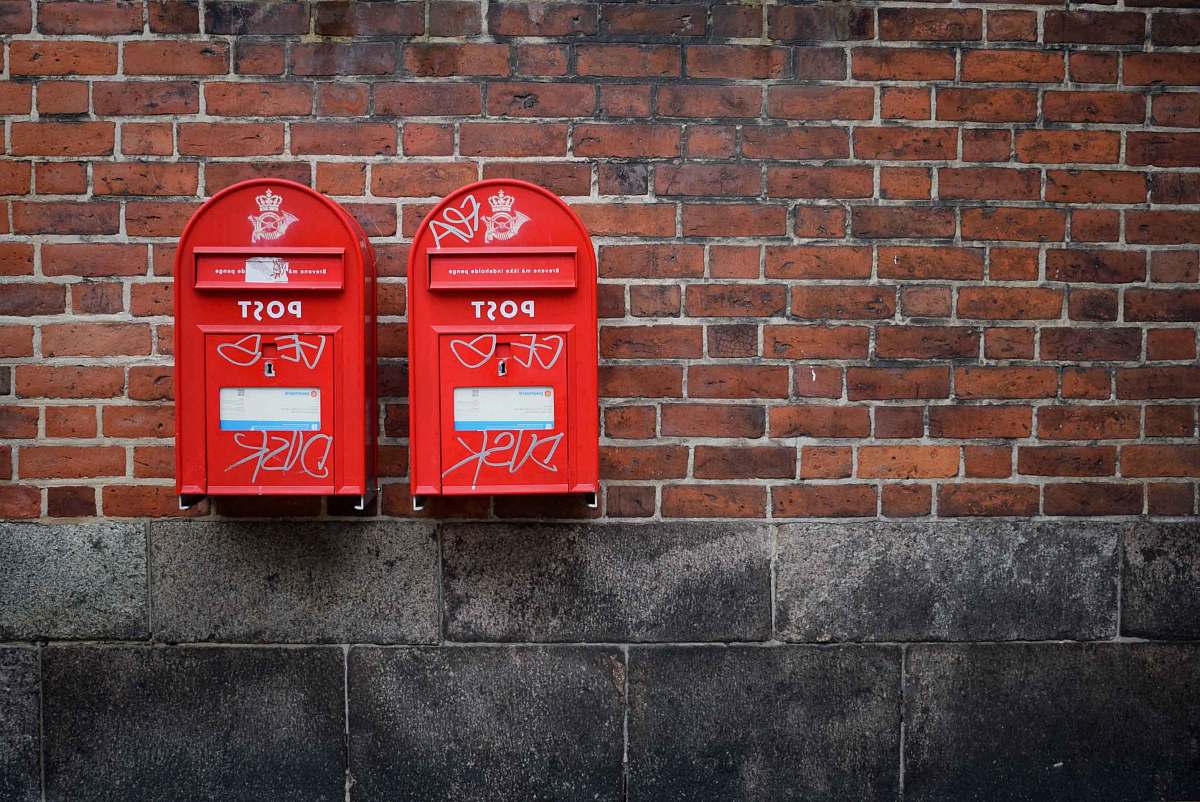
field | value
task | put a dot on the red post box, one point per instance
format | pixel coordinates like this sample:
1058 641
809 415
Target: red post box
502 346
274 347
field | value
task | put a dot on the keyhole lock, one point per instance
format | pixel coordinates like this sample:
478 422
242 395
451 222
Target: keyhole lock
269 369
502 367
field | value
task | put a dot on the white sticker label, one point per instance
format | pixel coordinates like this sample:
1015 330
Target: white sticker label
267 270
479 409
270 409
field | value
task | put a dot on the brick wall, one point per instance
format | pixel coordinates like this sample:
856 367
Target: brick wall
876 259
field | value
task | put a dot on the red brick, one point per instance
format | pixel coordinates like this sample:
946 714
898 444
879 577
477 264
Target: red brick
541 100
176 57
70 462
628 61
1170 498
1012 26
230 139
1176 109
147 139
737 381
734 61
1088 423
713 501
905 183
1005 66
746 462
1010 303
901 64
824 501
959 264
1091 344
626 501
1010 223
982 183
641 381
63 217
895 142
819 23
816 342
899 422
71 501
819 421
1143 69
908 222
780 142
975 500
651 342
734 220
628 219
1094 107
540 19
907 462
427 99
144 178
826 462
419 179
20 501
1094 27
707 180
820 102
986 145
651 261
1067 460
676 19
171 16
1175 420
372 58
712 420
346 139
62 97
1090 383
95 339
147 501
643 462
926 342
888 383
735 300
1160 460
844 302
986 105
1005 382
987 462
1170 344
636 423
827 222
979 422
907 103
1163 149
1158 382
62 139
818 262
930 25
1093 68
62 58
906 501
1093 499
607 140
715 101
369 19
925 301
1160 227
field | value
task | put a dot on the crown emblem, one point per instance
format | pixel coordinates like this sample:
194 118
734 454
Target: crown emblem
501 202
269 201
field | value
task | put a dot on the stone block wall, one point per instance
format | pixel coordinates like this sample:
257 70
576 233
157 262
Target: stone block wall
877 259
649 662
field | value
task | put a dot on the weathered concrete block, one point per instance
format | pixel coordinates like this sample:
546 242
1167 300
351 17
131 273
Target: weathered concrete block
494 723
1160 583
996 580
754 723
20 769
195 723
1052 721
656 582
68 581
295 581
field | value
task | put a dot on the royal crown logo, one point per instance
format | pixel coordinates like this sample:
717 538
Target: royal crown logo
271 221
504 222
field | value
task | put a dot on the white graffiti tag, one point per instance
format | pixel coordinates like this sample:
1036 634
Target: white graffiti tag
474 353
538 349
461 221
505 450
292 348
244 352
283 453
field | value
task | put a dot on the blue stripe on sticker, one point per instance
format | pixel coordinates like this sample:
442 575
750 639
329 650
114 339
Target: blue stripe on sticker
500 425
269 426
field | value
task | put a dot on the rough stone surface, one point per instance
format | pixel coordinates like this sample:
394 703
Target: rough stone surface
194 723
290 582
1053 721
755 723
67 581
1160 581
20 772
494 723
946 581
612 583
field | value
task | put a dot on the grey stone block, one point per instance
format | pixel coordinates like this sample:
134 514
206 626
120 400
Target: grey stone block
994 580
194 723
67 581
20 769
757 723
1160 582
1052 721
611 583
486 723
295 582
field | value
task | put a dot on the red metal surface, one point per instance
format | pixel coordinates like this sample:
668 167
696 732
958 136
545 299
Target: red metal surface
274 299
502 345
